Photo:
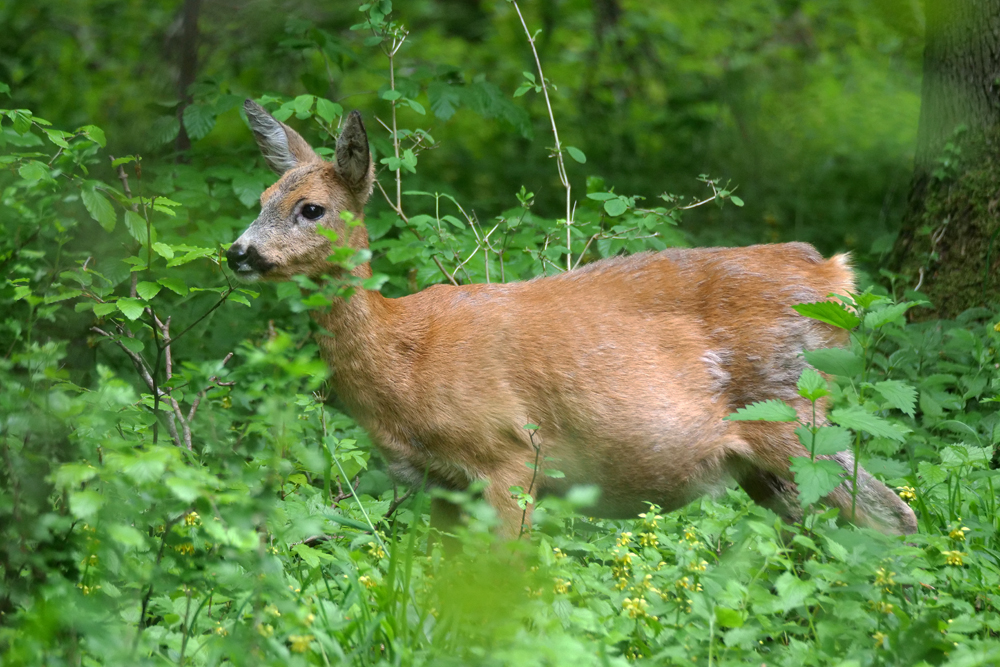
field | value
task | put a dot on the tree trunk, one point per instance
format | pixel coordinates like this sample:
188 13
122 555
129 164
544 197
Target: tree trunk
948 243
188 70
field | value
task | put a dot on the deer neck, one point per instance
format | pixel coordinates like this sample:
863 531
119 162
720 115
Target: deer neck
357 341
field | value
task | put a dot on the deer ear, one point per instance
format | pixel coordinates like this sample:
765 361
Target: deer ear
354 160
282 147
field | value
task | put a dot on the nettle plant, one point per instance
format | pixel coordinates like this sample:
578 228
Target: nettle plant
862 401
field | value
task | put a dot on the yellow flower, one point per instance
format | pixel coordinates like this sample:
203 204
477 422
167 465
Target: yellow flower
192 519
884 578
562 586
221 631
907 493
621 584
882 607
636 608
376 550
624 539
300 643
265 630
690 535
879 638
996 327
558 553
367 581
272 610
958 534
187 548
698 567
954 558
648 539
308 620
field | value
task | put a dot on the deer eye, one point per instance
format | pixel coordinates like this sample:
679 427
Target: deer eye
312 212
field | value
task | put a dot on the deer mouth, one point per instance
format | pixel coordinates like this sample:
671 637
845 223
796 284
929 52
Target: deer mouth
246 263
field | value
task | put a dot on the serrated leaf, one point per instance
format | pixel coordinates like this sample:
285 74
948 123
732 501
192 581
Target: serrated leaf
858 419
615 207
891 313
829 312
126 535
123 160
100 208
147 290
199 119
931 473
130 307
812 385
185 489
815 479
826 441
576 154
773 410
74 474
898 394
85 504
793 591
835 361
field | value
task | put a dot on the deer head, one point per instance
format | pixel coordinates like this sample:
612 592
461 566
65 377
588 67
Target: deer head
311 193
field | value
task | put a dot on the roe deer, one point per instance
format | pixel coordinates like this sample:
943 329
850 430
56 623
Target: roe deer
627 365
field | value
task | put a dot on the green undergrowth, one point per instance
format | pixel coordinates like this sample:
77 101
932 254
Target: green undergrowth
177 488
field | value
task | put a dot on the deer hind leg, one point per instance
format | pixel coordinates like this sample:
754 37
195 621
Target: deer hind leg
767 479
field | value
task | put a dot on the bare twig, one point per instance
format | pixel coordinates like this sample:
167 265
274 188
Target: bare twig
396 502
561 165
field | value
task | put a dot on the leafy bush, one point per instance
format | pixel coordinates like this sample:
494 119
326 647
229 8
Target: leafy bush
176 491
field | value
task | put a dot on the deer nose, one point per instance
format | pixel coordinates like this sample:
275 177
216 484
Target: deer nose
237 253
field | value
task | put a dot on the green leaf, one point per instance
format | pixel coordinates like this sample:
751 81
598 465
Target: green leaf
793 591
858 419
891 313
391 95
175 285
827 440
773 410
931 473
136 226
576 154
815 479
99 207
34 171
102 309
728 618
126 535
95 134
602 196
812 385
163 250
898 394
736 200
239 298
328 110
829 312
131 308
147 290
85 504
199 119
74 474
132 344
186 490
615 207
835 361
308 554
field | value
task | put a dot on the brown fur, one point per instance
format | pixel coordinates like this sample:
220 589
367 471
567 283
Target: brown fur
628 366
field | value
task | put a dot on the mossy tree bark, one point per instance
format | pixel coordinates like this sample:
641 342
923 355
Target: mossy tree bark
948 242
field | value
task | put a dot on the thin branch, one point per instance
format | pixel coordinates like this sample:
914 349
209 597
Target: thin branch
406 221
561 165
